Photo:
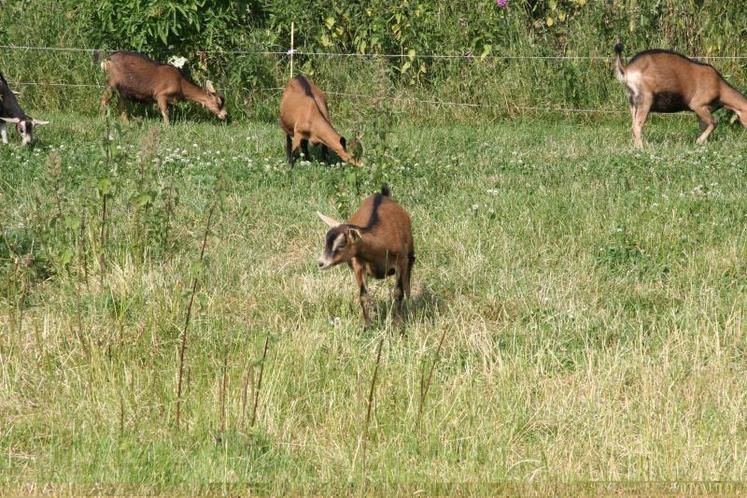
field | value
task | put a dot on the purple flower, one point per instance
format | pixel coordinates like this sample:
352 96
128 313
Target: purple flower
501 3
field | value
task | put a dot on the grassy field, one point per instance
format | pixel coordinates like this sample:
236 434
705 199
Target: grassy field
591 300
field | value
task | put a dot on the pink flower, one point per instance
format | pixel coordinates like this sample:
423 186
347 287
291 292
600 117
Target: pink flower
501 3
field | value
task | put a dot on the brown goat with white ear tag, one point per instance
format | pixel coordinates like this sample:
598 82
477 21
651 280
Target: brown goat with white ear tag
376 241
664 81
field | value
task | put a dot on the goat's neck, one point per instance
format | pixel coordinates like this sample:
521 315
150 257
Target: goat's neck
329 137
733 100
324 133
194 93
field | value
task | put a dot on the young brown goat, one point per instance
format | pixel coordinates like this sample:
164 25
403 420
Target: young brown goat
138 78
304 118
664 81
376 240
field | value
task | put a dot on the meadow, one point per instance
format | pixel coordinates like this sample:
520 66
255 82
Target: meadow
577 319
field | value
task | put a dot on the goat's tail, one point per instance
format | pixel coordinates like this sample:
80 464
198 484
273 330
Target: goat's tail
619 66
385 190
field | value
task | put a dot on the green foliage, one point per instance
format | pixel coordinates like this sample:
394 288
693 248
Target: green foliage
209 32
163 27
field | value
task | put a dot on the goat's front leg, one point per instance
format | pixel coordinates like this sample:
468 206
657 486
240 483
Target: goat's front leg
163 106
4 133
295 146
325 153
289 149
106 99
363 297
305 150
707 123
122 109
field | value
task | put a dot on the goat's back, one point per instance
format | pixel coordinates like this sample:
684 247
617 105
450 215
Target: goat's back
141 78
387 222
301 100
666 71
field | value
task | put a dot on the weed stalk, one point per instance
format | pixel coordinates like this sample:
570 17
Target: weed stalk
259 381
364 434
188 316
425 384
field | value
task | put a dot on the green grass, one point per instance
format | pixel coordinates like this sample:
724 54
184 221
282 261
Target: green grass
592 298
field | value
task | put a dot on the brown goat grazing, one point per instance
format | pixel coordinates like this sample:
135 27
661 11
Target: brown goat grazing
136 77
304 118
664 81
376 240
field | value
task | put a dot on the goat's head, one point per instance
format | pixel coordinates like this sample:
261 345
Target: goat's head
25 127
215 102
340 243
354 149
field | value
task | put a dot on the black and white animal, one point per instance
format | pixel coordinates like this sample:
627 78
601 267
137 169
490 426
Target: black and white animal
11 112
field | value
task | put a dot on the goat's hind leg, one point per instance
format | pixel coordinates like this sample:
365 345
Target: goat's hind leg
403 287
641 109
4 133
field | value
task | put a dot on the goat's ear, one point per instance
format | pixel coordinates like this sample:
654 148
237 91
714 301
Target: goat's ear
209 87
344 144
355 234
11 120
36 122
329 221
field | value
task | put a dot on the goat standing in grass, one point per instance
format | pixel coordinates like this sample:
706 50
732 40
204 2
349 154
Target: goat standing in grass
664 81
136 77
376 241
304 118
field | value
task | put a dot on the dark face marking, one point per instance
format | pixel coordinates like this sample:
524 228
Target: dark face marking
338 247
343 144
332 243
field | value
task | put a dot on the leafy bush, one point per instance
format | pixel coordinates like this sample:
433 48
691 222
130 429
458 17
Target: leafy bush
210 33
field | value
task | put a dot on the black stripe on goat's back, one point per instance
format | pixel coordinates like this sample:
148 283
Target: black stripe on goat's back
304 82
374 218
